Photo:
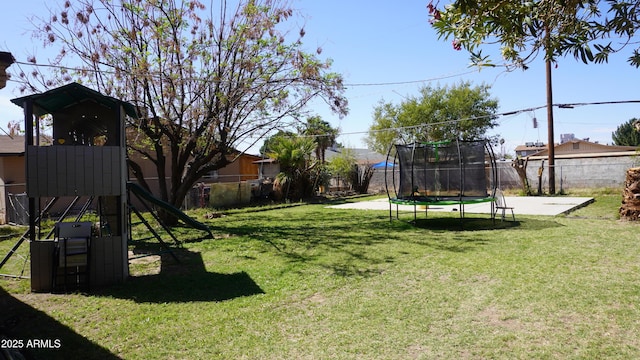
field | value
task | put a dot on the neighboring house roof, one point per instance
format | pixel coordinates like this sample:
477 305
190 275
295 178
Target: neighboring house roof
11 145
583 148
363 156
265 161
245 155
532 149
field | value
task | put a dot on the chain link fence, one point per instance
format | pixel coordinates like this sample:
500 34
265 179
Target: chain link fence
580 173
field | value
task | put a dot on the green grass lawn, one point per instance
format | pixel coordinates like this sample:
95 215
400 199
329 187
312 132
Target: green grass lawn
308 282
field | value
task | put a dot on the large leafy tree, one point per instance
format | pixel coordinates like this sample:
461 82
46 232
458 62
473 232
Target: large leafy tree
207 81
627 134
524 29
438 113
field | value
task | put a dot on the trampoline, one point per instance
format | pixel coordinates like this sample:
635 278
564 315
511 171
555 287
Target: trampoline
452 172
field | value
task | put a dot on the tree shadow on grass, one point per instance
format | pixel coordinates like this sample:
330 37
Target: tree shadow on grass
186 281
361 244
21 322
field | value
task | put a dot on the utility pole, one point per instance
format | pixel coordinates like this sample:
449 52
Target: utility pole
550 145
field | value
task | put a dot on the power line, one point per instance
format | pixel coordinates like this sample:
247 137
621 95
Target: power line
413 81
506 113
158 74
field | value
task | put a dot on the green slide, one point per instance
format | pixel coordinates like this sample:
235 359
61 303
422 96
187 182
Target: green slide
144 194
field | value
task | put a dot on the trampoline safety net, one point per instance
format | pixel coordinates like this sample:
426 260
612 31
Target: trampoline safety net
448 169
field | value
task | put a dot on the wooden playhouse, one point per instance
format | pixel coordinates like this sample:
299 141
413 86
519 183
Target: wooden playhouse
84 168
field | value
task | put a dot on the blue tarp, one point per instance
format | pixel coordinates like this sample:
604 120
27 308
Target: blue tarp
383 164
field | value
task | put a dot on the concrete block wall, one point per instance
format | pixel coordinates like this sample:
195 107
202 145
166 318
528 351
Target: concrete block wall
594 172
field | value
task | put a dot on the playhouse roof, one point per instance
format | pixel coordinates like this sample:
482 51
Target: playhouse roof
59 98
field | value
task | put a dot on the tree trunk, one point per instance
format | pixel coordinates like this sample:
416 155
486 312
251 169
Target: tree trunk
521 168
630 209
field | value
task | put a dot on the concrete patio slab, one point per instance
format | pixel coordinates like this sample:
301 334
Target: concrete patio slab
522 205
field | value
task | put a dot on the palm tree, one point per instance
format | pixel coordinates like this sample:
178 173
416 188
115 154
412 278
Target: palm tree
322 133
293 153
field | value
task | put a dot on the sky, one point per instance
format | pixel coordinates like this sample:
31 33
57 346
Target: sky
387 51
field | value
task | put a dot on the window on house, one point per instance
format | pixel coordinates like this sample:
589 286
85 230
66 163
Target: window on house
576 146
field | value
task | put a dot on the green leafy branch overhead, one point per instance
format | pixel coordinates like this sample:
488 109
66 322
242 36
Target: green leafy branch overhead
588 30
